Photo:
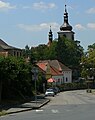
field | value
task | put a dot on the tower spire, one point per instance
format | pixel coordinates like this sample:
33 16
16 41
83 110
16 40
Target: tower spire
50 37
65 25
50 28
65 9
65 16
66 28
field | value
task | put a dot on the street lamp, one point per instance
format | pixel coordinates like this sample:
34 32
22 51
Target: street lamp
35 77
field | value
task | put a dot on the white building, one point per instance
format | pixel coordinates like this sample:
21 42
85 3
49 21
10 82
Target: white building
55 69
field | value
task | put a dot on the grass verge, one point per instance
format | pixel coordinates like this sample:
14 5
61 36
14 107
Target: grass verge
2 112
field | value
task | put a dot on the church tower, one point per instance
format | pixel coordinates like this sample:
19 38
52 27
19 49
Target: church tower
66 28
50 37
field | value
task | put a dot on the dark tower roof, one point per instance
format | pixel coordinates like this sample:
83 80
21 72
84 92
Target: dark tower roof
50 37
50 32
65 25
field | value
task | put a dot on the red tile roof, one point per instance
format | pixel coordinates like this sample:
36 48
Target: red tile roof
43 66
55 71
54 66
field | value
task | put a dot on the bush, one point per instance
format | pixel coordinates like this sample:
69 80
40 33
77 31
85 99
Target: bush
72 86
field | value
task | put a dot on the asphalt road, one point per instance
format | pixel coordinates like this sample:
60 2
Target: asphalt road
71 105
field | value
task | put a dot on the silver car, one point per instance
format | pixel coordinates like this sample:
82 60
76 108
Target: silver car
49 92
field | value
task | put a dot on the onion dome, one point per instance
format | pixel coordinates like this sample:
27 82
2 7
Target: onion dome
65 25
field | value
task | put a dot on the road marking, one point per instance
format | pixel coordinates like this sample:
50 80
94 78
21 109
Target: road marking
39 110
55 111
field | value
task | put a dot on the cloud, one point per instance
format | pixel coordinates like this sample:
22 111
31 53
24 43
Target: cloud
43 6
79 27
6 6
91 25
91 11
88 26
40 27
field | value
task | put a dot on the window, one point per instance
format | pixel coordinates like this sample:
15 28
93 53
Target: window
66 79
17 54
14 53
72 37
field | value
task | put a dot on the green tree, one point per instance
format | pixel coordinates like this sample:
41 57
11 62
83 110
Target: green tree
26 52
43 52
39 52
91 46
7 71
69 52
15 77
61 50
1 77
88 63
50 52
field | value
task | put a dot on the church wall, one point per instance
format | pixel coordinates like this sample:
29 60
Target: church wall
67 34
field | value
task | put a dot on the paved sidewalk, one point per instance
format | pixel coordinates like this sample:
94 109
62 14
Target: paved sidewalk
26 106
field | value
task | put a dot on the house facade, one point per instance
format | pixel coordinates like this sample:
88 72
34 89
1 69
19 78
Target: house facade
7 50
54 69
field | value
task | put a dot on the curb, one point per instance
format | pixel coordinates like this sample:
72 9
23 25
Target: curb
19 111
28 109
42 104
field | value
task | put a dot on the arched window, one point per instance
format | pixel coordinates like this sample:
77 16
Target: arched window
66 79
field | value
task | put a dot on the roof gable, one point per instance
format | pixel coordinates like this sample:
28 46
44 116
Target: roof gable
55 71
3 43
63 67
5 46
55 63
42 65
53 67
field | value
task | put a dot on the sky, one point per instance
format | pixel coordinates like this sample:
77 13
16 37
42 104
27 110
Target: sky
27 22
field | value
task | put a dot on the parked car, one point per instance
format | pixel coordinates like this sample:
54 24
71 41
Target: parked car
49 92
55 89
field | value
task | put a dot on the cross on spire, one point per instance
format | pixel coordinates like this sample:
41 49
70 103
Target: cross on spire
65 9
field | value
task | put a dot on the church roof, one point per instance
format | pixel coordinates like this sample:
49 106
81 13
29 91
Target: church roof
66 25
5 46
